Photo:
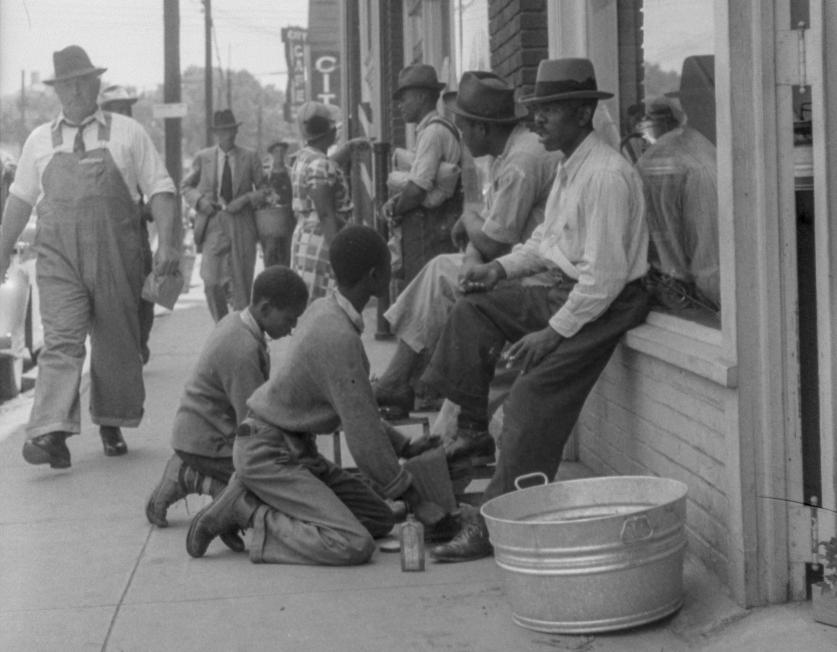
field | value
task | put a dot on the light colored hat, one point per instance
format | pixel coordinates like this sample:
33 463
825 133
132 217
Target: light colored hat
72 62
116 93
325 117
419 75
565 79
485 97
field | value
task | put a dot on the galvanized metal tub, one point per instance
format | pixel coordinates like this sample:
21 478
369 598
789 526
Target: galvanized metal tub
591 555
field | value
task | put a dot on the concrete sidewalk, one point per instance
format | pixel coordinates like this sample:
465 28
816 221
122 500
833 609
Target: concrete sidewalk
80 568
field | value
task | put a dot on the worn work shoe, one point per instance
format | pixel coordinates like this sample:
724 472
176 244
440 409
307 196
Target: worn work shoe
50 448
476 445
112 441
471 543
394 404
228 513
167 492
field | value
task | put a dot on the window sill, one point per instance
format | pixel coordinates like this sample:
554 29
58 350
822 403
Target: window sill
685 345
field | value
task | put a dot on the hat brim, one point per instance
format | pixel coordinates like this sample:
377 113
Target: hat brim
520 112
130 100
231 125
438 87
74 75
570 95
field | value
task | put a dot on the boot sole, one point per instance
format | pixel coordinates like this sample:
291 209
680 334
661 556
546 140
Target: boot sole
34 454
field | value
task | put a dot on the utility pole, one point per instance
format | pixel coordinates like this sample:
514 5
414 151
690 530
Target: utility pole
229 77
171 87
22 106
207 67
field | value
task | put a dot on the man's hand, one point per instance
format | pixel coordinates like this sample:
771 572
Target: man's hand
205 207
166 261
481 278
532 348
459 234
387 210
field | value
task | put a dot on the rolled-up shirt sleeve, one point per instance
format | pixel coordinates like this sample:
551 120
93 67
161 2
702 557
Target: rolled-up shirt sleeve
152 176
512 198
429 153
27 182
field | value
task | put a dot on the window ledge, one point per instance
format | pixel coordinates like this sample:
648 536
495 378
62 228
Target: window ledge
692 347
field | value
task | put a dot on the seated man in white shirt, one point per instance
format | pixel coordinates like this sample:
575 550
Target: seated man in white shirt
581 287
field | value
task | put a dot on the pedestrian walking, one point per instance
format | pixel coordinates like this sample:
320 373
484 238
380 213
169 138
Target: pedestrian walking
83 171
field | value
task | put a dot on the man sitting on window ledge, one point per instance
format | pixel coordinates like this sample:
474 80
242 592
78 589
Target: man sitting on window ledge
681 192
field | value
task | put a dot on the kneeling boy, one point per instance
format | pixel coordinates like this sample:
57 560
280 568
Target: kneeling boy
302 508
234 362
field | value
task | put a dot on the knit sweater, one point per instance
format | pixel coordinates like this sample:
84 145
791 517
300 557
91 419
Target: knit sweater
232 364
325 384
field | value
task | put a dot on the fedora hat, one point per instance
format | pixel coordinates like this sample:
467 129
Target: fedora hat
565 79
697 77
224 119
485 97
419 75
72 62
116 93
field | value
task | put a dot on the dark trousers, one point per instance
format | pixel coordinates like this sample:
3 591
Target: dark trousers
545 402
219 468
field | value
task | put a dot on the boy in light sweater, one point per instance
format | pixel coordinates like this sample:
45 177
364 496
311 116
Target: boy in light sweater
301 507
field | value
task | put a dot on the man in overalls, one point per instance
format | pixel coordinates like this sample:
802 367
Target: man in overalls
82 170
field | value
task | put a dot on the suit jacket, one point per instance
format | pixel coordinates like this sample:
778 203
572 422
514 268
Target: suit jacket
202 181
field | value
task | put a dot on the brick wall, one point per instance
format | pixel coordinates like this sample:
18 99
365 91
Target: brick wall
519 39
646 417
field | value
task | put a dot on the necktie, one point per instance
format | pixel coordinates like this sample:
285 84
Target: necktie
78 143
226 181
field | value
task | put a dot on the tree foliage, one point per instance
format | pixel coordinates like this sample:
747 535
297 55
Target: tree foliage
249 100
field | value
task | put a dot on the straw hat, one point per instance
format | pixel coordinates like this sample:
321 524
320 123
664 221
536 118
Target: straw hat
316 119
116 93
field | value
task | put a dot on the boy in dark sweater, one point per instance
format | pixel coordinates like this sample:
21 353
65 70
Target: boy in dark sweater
301 507
233 363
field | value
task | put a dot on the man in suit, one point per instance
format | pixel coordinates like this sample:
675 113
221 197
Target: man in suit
224 189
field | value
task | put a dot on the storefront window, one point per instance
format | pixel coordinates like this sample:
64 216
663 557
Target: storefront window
473 48
672 139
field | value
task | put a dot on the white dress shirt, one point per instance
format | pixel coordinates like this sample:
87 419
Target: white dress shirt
130 146
594 231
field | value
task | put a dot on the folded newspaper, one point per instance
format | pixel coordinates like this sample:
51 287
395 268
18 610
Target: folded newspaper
163 289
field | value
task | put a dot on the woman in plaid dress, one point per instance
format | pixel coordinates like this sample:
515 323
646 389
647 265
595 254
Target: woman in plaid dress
321 199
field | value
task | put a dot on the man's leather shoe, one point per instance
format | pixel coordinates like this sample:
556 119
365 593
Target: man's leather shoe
476 445
112 441
50 448
471 543
228 513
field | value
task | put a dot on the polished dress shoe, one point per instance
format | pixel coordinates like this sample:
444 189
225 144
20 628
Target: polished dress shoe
471 543
224 516
112 441
474 445
50 448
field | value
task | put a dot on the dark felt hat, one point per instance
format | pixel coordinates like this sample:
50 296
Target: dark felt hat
419 75
486 97
224 119
565 79
697 77
72 62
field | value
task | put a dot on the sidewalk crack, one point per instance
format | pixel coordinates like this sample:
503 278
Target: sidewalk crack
125 590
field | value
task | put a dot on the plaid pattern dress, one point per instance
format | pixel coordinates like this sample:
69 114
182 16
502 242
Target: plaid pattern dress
309 251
